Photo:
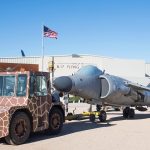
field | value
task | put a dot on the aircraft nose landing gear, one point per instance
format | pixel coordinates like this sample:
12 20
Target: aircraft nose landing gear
128 113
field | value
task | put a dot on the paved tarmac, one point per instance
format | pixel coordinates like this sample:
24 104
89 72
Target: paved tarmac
116 134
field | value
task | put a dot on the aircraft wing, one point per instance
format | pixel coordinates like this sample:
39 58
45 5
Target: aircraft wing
137 86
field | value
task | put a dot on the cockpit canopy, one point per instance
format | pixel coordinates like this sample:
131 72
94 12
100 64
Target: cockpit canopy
89 70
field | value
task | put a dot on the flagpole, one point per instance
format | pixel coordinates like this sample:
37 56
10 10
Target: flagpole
42 46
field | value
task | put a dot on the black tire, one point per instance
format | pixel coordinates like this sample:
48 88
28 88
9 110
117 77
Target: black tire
126 112
131 113
55 121
92 117
102 116
19 129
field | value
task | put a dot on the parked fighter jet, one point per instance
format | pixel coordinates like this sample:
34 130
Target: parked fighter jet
98 87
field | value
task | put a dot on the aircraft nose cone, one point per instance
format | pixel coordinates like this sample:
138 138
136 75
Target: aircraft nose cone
63 84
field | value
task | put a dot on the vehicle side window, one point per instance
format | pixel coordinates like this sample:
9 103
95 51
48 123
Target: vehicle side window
21 85
7 84
41 86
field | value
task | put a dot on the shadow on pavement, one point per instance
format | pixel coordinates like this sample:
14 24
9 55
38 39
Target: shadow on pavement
77 126
70 128
2 140
119 118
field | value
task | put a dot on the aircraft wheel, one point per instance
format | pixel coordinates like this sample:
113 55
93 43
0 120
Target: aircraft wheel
19 130
126 112
102 116
92 117
131 113
55 121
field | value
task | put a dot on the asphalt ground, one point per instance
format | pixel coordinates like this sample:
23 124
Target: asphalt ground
115 134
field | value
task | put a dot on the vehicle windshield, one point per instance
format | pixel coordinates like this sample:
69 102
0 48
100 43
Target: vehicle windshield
7 84
8 88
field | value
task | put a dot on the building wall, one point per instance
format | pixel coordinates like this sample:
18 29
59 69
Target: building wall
124 67
67 65
23 60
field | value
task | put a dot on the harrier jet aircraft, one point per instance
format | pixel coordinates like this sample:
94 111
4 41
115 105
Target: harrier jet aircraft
97 87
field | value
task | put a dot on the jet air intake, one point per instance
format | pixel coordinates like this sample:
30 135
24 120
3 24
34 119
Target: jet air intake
111 85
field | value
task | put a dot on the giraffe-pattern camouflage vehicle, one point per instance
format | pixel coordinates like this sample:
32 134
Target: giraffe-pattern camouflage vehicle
26 106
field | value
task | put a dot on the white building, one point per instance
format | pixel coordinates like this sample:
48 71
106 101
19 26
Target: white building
65 65
69 64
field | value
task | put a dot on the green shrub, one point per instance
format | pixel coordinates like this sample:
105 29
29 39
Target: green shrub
74 99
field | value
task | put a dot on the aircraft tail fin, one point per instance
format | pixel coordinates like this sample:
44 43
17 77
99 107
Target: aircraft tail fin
22 53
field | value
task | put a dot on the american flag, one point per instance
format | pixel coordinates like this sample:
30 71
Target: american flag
49 33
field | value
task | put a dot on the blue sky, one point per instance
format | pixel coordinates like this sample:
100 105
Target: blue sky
114 28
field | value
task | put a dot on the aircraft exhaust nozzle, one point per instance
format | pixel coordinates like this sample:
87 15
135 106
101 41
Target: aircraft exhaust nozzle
63 84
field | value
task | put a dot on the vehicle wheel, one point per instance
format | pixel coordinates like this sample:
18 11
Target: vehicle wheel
131 113
126 112
55 121
102 116
19 129
92 117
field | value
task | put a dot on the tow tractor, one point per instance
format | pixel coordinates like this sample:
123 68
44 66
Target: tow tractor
26 106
